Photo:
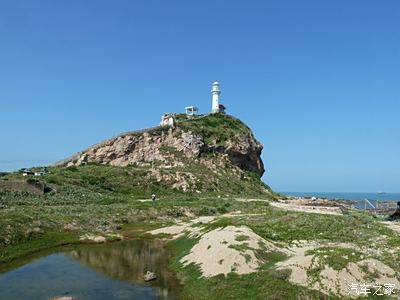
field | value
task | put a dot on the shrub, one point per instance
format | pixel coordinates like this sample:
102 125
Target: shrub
222 209
282 274
72 168
175 212
53 179
207 210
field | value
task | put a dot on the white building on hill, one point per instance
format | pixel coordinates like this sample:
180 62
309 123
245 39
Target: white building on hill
215 92
167 120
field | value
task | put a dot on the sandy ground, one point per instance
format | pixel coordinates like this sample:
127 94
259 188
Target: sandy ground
331 280
250 200
215 252
99 238
394 225
192 228
301 205
218 251
234 249
328 210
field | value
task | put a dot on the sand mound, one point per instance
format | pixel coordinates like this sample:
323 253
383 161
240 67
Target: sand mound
220 251
191 228
229 249
365 271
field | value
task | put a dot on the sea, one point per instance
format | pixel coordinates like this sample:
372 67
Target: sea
348 196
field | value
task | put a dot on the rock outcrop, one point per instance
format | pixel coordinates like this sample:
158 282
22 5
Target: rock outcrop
244 152
29 186
141 149
217 142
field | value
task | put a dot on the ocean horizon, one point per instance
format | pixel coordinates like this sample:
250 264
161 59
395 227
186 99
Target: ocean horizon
347 196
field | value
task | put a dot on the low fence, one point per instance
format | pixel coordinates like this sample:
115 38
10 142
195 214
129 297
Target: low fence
377 206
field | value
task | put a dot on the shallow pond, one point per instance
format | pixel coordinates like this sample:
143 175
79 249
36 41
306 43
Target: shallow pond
108 271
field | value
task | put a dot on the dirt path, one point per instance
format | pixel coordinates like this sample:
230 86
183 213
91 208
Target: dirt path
326 210
394 225
297 206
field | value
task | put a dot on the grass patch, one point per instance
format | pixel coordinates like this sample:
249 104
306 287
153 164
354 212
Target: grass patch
287 226
220 223
270 258
394 241
265 284
335 257
138 229
216 128
241 238
240 247
38 243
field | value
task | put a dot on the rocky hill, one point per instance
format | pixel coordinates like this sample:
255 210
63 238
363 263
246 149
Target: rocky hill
206 153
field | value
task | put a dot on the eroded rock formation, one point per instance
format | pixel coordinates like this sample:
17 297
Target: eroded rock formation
228 148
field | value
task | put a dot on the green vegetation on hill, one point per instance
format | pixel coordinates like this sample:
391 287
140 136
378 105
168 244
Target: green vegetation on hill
215 128
97 198
103 199
138 182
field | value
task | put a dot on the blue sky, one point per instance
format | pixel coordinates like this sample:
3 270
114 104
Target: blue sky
318 81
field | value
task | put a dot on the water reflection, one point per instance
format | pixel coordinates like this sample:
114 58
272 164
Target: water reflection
129 261
94 272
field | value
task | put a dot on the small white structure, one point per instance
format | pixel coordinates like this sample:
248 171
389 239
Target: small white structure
191 110
216 91
26 172
167 120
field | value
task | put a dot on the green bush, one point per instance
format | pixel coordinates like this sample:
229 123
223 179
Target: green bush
72 169
53 179
207 210
222 209
175 212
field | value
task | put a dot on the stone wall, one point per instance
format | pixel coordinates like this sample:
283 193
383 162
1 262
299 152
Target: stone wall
30 186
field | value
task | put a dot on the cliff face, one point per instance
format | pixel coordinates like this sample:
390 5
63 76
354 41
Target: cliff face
142 149
197 150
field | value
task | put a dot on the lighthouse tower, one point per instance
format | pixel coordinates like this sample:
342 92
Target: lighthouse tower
215 91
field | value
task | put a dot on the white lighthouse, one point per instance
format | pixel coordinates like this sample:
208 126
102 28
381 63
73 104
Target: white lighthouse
215 91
